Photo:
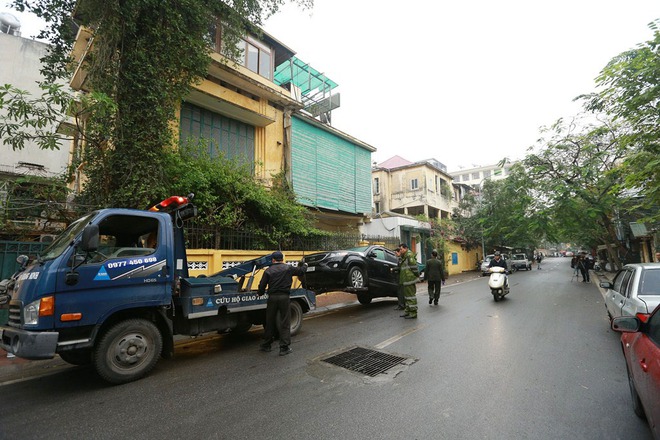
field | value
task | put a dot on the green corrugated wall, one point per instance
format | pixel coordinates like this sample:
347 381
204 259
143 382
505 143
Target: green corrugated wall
328 171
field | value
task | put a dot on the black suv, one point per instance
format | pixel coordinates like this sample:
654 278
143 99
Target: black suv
365 271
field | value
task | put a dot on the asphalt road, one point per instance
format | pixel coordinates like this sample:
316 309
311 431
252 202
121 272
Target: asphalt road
541 364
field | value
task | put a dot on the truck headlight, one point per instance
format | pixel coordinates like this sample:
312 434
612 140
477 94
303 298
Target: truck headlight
41 307
31 313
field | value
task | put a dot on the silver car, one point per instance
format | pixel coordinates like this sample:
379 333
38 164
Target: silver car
635 291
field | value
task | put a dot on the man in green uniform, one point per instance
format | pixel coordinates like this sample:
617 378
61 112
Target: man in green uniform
408 277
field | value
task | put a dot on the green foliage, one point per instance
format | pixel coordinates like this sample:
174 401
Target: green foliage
146 56
28 119
578 173
228 195
506 212
629 92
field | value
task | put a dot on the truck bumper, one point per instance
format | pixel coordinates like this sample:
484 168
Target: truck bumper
28 345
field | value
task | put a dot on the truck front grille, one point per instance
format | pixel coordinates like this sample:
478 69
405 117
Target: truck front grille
15 308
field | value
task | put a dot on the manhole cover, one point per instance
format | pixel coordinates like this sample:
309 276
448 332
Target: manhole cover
365 361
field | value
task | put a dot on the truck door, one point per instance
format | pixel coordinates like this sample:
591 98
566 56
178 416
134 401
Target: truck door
132 268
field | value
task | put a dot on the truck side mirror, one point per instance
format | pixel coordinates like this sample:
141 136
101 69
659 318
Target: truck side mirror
90 238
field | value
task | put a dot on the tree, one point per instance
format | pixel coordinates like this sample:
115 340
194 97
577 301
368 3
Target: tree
146 56
629 93
578 171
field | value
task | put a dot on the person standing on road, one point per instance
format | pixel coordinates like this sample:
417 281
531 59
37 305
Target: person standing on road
584 266
408 277
401 301
435 275
278 278
539 258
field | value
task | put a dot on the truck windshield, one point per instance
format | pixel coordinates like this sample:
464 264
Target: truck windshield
66 238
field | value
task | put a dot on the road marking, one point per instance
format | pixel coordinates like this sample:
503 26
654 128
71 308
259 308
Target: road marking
393 339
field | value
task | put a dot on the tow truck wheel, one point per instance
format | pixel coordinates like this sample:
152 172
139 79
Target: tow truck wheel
296 317
128 351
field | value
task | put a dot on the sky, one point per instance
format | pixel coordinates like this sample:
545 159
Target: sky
467 83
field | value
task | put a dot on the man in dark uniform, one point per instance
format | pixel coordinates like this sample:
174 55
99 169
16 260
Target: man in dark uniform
278 278
435 275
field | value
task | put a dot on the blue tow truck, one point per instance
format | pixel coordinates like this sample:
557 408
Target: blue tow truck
113 289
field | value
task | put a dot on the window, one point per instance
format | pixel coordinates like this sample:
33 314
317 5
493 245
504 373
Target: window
486 174
376 185
122 236
252 53
475 176
621 281
224 136
650 283
497 172
257 57
414 184
377 207
391 256
465 177
653 327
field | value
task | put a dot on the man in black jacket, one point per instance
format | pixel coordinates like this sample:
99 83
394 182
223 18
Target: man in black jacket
435 275
278 278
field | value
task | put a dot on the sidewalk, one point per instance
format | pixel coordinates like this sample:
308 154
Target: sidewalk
332 300
17 369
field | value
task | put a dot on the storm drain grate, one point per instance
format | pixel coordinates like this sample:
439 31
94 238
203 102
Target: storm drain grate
365 361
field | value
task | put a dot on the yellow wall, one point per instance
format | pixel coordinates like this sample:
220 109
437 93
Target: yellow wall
212 260
467 260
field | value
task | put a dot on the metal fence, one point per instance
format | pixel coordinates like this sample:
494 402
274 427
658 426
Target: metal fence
208 238
10 250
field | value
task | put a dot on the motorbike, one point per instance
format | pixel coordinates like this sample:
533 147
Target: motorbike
7 285
498 282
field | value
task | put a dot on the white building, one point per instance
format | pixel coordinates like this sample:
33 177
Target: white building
20 66
475 176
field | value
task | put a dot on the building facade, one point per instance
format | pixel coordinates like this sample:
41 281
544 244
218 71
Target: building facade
475 176
412 188
273 111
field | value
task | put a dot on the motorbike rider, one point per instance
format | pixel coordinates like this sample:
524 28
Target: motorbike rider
497 260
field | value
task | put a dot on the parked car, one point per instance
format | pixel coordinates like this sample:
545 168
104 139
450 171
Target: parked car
486 261
635 291
520 261
365 271
640 342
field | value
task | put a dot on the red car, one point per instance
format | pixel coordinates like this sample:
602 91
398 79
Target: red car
641 347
